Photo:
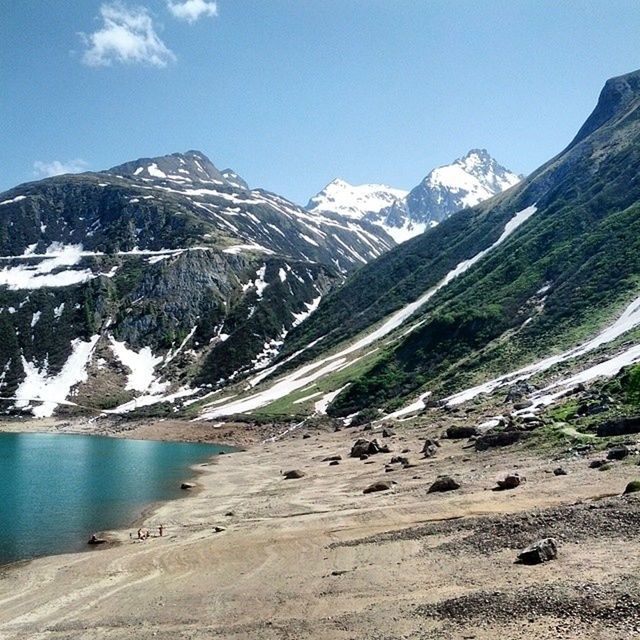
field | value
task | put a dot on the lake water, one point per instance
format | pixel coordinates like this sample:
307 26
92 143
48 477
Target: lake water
56 490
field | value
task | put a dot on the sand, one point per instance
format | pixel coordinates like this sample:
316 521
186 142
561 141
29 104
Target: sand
316 558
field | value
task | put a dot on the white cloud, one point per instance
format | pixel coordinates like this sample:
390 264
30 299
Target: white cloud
192 10
58 167
127 36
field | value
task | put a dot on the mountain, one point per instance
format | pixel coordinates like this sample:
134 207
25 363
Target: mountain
354 201
124 287
445 190
539 284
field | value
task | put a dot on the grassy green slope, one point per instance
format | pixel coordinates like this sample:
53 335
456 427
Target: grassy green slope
582 246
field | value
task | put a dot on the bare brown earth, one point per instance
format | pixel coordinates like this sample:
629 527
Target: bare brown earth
316 558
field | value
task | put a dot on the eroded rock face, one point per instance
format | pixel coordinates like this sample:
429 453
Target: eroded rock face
443 483
541 551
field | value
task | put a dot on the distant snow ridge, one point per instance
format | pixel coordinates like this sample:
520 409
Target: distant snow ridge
354 201
464 183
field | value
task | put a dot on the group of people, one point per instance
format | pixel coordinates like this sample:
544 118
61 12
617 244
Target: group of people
143 532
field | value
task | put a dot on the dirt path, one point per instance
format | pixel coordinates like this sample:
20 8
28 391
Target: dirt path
315 558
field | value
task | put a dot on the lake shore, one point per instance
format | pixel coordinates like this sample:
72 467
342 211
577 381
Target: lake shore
253 555
235 434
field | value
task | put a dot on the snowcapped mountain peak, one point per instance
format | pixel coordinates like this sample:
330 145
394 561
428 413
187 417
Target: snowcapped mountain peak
354 201
465 182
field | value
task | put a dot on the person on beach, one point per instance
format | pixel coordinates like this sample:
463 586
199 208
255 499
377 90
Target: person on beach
161 530
140 534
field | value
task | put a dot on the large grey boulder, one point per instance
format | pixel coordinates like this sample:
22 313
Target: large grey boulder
541 551
443 483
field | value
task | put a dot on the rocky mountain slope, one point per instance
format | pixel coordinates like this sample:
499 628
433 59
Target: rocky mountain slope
445 190
127 286
537 284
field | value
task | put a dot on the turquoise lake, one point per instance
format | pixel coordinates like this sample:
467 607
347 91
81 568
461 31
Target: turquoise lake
56 490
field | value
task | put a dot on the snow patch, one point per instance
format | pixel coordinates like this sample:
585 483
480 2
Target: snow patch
53 390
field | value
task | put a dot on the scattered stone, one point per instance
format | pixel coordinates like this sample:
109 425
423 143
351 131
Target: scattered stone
187 485
632 487
605 467
596 464
219 529
406 450
559 471
443 483
524 404
339 572
294 474
399 460
388 433
512 481
541 551
458 432
305 436
229 514
430 447
381 485
333 463
332 458
618 453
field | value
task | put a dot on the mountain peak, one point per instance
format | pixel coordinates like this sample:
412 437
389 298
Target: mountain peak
616 96
190 166
354 201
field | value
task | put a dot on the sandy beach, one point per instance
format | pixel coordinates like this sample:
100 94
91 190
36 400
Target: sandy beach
254 555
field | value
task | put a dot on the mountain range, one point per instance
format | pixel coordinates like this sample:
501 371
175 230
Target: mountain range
165 285
464 183
537 286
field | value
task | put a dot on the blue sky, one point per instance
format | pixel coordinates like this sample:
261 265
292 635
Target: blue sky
292 93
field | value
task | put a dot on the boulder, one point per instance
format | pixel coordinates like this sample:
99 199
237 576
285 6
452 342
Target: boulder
187 485
632 487
388 433
541 551
618 453
294 474
430 448
332 458
306 436
430 451
458 432
559 471
596 464
443 483
523 404
619 427
364 447
499 439
334 462
381 485
512 481
400 460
